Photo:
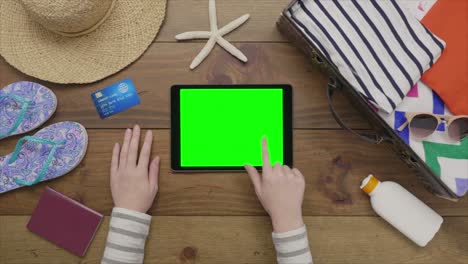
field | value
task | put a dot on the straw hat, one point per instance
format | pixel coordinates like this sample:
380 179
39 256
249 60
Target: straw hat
77 41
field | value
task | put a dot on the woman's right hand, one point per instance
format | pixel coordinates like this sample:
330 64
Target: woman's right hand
280 189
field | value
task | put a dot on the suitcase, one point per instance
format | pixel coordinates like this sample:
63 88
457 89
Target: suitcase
383 133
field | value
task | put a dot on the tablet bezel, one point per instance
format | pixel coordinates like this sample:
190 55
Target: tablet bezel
175 125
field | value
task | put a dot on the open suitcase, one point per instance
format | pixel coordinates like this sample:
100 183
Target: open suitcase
383 132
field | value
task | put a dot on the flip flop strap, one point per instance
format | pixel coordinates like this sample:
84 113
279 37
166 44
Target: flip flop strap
24 107
47 163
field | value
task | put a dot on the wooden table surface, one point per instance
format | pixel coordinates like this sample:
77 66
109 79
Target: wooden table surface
215 217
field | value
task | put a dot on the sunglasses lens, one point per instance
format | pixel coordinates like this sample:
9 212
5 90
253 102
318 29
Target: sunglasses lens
423 125
458 129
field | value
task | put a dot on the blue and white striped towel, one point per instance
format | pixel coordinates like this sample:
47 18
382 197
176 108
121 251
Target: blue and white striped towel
379 47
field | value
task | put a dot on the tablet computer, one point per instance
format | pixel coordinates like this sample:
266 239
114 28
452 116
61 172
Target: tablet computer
220 127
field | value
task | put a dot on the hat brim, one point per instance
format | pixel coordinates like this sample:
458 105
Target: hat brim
119 41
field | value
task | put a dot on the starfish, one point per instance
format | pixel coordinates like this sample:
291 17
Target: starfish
215 36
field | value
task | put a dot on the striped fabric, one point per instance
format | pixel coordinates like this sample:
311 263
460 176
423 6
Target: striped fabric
128 231
127 237
379 48
292 247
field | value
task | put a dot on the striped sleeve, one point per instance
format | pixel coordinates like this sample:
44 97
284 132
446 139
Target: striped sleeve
292 247
127 237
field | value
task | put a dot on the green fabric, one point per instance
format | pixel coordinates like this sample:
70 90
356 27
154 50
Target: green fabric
434 150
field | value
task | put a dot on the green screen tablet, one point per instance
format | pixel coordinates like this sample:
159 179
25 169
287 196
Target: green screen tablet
221 127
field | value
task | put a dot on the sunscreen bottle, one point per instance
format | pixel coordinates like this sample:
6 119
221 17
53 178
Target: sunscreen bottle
402 210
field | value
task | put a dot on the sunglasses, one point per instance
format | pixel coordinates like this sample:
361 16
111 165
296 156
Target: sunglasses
422 125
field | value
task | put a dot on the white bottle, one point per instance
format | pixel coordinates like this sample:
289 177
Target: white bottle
402 210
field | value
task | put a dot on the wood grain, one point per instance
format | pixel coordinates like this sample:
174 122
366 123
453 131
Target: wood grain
248 240
259 28
166 64
215 217
333 163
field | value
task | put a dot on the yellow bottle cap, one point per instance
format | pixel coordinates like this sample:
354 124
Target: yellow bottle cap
369 183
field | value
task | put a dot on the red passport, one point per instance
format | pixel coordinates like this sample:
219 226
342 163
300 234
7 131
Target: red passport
64 222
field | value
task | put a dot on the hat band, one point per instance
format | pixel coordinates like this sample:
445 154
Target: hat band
91 29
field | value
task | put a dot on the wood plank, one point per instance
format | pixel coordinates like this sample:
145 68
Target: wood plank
166 64
189 15
333 162
248 240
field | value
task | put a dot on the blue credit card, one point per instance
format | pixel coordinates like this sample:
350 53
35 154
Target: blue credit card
115 98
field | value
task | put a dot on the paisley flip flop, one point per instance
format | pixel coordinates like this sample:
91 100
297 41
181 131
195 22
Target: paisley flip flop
25 106
52 152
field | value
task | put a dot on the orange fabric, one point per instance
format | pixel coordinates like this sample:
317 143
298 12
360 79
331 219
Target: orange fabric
448 19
